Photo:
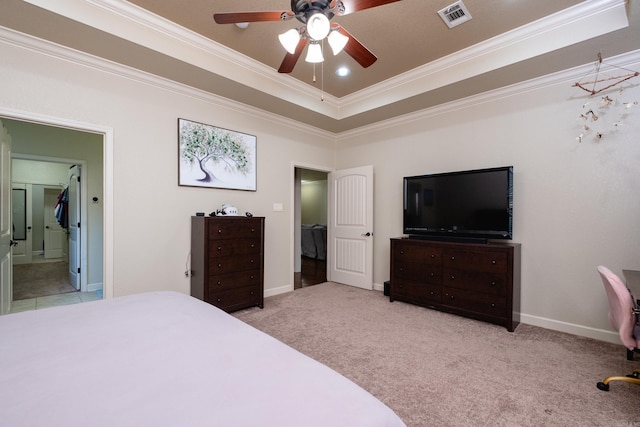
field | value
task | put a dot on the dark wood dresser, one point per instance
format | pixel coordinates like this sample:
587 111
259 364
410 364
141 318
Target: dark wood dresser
481 281
227 261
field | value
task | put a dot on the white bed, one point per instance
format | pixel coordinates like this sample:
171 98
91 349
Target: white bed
165 359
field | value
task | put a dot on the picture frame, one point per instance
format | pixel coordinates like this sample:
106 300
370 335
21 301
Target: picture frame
214 157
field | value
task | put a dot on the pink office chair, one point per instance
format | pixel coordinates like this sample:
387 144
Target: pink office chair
623 316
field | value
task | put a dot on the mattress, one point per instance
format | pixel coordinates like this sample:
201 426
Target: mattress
166 359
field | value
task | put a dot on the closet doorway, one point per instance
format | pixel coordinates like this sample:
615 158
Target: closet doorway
311 227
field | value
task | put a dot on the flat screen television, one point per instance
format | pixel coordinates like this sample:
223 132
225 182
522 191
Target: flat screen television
464 205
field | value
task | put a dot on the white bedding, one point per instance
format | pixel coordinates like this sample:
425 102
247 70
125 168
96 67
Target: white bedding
165 359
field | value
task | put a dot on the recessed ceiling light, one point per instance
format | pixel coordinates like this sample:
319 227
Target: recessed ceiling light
343 72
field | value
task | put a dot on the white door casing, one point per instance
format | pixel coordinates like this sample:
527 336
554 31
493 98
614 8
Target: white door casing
6 291
350 231
74 226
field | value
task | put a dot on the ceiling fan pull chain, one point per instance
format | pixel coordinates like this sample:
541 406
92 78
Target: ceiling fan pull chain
322 77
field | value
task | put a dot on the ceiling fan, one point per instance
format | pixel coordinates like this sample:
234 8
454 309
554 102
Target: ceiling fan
315 17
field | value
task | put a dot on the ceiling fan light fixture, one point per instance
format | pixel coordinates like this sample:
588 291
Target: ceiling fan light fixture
314 53
318 26
337 41
289 40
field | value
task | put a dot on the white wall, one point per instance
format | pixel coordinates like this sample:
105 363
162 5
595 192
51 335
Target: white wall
151 213
314 202
576 205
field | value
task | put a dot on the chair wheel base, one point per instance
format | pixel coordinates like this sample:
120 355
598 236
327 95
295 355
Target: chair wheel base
602 386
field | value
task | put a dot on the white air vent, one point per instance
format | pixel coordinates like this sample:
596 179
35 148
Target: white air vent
455 14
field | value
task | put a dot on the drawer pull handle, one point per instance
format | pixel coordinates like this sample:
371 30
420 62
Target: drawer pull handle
432 274
493 305
219 230
253 229
219 283
252 246
493 283
453 258
431 293
219 299
251 261
401 252
453 277
219 265
451 297
252 277
433 256
219 248
493 261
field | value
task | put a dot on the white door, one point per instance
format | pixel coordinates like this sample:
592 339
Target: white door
22 216
5 221
54 234
350 231
74 226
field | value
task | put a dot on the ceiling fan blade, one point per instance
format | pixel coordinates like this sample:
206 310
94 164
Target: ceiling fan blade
351 6
290 60
235 18
357 51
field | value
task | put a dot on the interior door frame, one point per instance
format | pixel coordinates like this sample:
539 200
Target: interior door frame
295 215
107 181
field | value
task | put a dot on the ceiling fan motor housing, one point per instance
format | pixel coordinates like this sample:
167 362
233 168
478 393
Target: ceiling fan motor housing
304 9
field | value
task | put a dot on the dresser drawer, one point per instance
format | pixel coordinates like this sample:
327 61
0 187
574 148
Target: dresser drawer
220 282
235 228
488 283
488 261
221 248
230 264
474 302
236 298
430 273
421 293
411 253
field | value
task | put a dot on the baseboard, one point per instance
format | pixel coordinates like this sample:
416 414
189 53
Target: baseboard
92 287
571 328
277 291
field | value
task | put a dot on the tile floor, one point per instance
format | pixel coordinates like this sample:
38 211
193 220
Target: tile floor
53 301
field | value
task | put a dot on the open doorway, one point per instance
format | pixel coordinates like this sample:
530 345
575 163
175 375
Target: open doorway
311 227
57 264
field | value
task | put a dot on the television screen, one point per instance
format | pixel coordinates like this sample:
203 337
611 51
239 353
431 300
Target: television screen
475 204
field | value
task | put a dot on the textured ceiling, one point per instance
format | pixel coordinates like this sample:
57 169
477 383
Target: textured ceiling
421 62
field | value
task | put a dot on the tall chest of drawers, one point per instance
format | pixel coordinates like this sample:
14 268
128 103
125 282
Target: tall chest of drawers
480 281
227 261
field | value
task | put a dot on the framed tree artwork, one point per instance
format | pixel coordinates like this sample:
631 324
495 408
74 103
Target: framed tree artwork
213 157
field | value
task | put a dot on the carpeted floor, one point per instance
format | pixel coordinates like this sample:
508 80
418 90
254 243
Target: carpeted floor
40 280
436 369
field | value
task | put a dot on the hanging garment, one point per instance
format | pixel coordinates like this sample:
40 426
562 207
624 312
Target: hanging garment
61 209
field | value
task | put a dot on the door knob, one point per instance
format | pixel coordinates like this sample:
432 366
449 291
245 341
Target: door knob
367 234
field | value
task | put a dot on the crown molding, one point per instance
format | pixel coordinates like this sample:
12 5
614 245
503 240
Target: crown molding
586 20
565 77
583 21
45 47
